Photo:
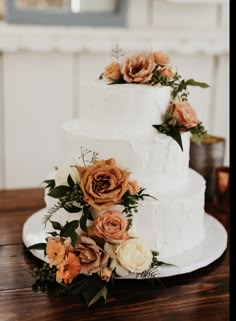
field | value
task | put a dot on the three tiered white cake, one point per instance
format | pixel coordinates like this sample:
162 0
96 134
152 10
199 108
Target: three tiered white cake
116 122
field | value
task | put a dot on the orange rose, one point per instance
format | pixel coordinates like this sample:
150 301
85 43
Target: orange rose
167 72
103 183
55 251
92 257
111 226
183 113
138 68
133 187
69 269
160 58
112 71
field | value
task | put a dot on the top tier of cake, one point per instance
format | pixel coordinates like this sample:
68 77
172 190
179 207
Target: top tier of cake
121 110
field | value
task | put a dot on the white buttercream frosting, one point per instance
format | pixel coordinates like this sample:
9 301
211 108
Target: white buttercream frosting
155 160
116 122
121 110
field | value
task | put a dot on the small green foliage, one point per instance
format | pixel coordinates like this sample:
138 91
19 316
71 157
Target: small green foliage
117 53
38 246
69 230
84 153
130 203
50 183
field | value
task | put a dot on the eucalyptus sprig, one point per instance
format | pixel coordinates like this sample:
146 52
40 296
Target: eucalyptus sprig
117 53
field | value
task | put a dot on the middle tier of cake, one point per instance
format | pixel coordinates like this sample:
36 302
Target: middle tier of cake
156 161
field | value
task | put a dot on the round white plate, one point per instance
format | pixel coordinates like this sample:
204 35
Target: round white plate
211 248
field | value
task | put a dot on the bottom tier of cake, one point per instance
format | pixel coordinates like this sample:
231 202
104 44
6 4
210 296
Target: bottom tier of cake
170 225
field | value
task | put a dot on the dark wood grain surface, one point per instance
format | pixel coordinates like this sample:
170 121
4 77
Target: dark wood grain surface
200 295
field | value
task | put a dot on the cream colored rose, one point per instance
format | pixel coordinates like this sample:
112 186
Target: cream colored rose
114 264
103 183
138 68
167 72
183 113
133 187
92 257
111 226
62 173
160 58
134 256
112 71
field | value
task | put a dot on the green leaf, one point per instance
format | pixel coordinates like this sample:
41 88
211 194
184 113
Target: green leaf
101 294
38 246
92 289
175 134
118 81
70 181
56 225
84 218
59 191
157 126
50 183
53 233
101 76
159 263
192 82
69 228
72 208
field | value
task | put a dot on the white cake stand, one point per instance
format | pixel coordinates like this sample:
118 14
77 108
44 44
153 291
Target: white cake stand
211 248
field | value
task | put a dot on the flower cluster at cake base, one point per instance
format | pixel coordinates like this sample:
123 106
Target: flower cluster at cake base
154 69
85 254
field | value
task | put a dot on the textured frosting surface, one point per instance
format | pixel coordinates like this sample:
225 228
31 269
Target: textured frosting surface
121 110
116 121
156 161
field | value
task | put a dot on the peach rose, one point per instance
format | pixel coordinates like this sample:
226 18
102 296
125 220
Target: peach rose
138 68
111 226
112 71
160 58
92 257
69 269
183 113
133 187
167 72
103 183
134 256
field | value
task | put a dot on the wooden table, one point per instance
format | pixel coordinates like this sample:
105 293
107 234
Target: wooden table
200 295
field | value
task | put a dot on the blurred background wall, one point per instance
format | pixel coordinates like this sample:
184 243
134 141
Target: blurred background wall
41 68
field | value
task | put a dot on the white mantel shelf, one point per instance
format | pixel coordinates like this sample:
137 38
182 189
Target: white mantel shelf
15 38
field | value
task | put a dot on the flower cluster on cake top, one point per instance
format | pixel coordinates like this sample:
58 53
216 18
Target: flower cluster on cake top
154 69
85 254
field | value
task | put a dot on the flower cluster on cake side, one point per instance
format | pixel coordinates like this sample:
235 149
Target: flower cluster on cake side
154 69
85 254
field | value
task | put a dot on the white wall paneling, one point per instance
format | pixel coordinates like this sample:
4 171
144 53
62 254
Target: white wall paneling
1 127
38 98
225 17
169 15
221 112
139 13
